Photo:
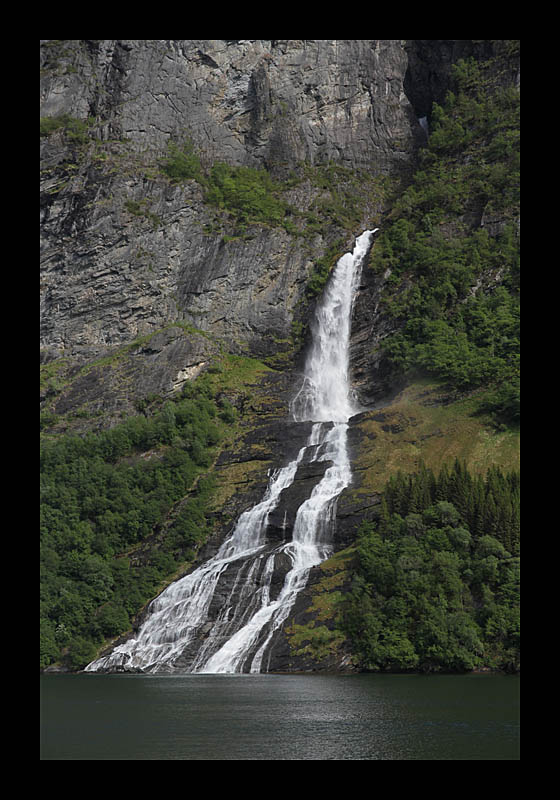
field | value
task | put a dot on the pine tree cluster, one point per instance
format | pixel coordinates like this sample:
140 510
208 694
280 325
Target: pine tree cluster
488 505
437 577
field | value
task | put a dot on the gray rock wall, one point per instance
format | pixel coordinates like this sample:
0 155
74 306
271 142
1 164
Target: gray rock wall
124 251
254 102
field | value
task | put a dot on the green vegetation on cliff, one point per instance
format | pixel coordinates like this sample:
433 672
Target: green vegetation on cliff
450 250
436 582
75 129
427 422
122 510
249 195
253 196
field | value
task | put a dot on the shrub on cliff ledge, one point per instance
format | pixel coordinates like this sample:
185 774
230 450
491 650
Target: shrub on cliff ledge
249 194
75 129
182 163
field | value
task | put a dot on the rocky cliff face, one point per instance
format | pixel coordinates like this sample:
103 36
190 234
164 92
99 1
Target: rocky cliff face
269 103
143 283
125 251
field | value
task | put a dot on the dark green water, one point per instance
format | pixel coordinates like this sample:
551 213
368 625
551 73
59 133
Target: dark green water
277 717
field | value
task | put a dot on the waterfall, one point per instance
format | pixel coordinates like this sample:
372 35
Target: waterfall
169 639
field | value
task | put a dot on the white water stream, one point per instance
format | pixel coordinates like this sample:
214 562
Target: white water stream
239 637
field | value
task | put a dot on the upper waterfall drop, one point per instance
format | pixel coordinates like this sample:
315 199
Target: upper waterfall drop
325 394
175 635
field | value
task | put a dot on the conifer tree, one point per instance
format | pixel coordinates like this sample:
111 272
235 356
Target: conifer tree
490 515
383 524
515 529
442 484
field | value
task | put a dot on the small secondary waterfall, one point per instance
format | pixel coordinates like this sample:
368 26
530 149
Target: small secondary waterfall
238 638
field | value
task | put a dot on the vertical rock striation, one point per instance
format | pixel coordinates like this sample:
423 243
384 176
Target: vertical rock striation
125 251
254 102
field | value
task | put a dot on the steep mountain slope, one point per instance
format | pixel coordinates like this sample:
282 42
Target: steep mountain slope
126 249
194 197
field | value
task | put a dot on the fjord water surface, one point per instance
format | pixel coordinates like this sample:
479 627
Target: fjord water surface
280 717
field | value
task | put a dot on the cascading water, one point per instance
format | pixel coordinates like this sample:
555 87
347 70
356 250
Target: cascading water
249 617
